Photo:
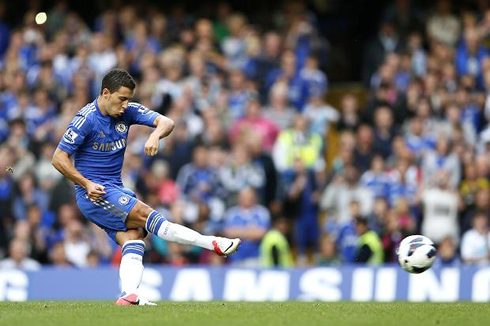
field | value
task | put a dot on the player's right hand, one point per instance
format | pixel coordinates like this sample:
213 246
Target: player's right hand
95 191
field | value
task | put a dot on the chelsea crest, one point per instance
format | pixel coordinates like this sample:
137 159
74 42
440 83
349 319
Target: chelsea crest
123 200
121 127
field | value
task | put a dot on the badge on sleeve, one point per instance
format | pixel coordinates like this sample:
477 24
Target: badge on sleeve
70 136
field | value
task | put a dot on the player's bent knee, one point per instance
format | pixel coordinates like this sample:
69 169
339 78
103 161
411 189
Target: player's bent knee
138 216
142 210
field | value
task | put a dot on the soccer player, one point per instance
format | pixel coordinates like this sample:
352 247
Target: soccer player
97 139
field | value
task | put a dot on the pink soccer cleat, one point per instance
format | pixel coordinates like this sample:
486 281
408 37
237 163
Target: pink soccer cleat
133 300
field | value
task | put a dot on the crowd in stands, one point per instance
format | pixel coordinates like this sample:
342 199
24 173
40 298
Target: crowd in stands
248 157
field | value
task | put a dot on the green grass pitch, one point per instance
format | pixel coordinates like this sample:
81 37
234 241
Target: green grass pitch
95 313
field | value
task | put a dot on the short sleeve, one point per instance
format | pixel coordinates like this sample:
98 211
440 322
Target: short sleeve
141 115
75 134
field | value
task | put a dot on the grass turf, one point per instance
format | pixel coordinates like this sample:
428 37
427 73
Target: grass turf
240 313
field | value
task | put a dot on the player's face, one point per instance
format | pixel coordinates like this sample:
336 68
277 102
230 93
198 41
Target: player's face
117 102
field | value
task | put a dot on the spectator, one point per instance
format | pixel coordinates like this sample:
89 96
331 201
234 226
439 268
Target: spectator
418 54
404 15
102 56
470 112
297 142
440 204
403 182
6 197
234 45
93 260
46 174
441 159
268 61
249 222
21 108
300 202
140 43
19 257
447 254
349 118
343 190
58 256
268 192
19 142
369 249
470 55
178 149
386 95
404 217
328 252
274 248
288 72
76 244
386 41
215 131
375 179
315 79
320 115
471 184
379 217
100 245
391 236
453 122
239 95
417 142
345 156
239 173
475 244
38 231
383 131
200 183
363 152
4 31
443 26
29 194
278 110
223 12
254 121
161 183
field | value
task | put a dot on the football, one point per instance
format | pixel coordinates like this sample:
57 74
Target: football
416 254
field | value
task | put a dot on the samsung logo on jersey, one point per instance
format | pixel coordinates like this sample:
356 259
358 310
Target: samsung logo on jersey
110 146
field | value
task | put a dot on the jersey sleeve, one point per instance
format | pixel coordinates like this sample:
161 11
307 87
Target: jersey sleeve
75 134
141 115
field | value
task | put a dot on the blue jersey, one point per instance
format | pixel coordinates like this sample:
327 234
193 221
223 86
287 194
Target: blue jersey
98 142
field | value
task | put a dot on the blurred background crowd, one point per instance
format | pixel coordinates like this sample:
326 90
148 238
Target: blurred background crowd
268 146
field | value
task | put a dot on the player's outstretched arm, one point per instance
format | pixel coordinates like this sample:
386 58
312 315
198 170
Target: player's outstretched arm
62 162
164 127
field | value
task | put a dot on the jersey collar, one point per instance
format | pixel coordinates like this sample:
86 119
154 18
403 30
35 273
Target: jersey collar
104 117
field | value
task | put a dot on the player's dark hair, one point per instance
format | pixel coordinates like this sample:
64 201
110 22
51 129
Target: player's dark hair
115 79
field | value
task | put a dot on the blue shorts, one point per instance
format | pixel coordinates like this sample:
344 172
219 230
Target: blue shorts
110 212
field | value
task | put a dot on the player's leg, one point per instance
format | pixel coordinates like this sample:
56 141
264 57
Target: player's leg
131 268
143 216
109 213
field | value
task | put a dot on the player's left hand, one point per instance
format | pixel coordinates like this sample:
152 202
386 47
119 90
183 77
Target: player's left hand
151 145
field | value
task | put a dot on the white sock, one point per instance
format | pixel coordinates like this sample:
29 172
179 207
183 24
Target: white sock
166 230
131 269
